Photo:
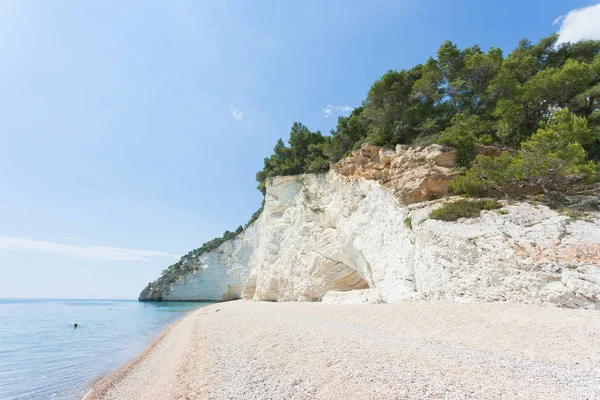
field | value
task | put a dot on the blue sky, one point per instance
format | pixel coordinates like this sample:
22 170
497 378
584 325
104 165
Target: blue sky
131 131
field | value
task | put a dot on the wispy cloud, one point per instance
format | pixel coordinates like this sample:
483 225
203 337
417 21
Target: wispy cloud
235 113
330 110
578 24
74 239
86 252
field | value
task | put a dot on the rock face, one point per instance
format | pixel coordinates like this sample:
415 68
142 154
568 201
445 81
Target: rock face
413 173
337 238
220 274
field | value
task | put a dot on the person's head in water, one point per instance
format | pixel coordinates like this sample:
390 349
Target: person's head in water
75 326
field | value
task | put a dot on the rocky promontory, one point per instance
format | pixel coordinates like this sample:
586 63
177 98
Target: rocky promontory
362 233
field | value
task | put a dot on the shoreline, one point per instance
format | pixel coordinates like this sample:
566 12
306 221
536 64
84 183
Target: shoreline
245 349
100 384
183 301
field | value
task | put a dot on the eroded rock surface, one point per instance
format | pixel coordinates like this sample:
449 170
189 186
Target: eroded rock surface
414 174
338 238
218 275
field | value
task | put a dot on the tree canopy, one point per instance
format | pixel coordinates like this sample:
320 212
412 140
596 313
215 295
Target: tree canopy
542 100
460 98
551 160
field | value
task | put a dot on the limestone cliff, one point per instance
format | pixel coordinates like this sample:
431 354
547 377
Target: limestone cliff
360 233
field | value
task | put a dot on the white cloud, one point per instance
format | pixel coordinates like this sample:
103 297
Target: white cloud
237 114
329 110
74 239
578 24
87 252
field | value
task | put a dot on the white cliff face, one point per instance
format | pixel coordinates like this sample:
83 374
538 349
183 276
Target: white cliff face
222 272
336 239
326 233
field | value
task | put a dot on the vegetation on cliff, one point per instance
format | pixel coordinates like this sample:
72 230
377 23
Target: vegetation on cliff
541 103
189 262
463 209
550 161
468 97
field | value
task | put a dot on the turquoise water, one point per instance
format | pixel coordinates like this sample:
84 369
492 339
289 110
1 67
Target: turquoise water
43 357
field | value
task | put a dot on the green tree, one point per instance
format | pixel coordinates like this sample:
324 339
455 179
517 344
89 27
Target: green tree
465 133
391 111
478 72
460 98
349 131
304 154
552 160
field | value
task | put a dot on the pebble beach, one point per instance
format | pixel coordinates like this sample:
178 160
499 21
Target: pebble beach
411 350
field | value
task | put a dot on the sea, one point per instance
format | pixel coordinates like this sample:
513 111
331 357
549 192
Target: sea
43 356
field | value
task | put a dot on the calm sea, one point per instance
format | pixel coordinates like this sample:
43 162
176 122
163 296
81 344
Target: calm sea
43 357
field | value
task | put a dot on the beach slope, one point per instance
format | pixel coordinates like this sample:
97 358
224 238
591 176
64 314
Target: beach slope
412 350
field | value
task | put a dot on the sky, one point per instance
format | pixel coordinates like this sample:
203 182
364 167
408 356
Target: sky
131 131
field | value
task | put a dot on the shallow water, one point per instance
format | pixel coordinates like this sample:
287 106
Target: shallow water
43 357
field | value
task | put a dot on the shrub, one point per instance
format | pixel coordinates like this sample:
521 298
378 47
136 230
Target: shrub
464 134
575 214
319 164
552 160
487 176
463 209
255 216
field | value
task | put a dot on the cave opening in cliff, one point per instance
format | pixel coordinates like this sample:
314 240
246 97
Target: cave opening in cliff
349 278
